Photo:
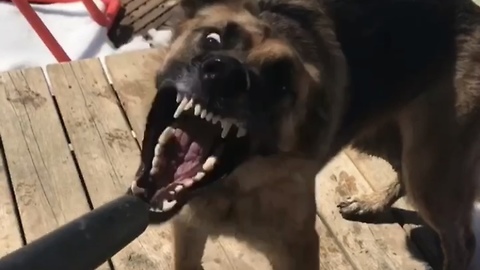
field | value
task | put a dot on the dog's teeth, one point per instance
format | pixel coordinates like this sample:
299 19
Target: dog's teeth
241 132
155 166
199 176
166 135
156 210
171 192
226 125
178 188
154 170
197 110
215 119
209 116
209 163
158 149
204 113
179 97
155 162
189 105
188 182
136 189
180 108
168 205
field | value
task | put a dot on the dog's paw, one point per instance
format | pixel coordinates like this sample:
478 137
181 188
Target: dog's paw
353 207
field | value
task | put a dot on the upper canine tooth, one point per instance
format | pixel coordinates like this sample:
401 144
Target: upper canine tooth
204 113
241 132
198 109
180 108
189 105
226 125
166 135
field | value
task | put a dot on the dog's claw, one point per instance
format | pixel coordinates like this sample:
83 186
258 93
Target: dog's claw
351 207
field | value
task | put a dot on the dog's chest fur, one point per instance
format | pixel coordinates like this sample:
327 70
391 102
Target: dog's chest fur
263 198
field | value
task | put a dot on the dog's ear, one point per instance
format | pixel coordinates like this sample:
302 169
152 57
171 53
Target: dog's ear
190 7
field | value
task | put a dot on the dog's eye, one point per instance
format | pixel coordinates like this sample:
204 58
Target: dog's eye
212 41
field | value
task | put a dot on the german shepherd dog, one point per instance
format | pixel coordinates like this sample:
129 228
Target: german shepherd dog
254 98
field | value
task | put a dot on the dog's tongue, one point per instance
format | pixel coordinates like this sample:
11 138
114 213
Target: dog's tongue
193 140
188 157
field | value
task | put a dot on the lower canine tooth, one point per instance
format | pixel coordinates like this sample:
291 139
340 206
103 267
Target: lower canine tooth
136 189
166 205
166 135
158 150
155 166
199 176
154 171
209 163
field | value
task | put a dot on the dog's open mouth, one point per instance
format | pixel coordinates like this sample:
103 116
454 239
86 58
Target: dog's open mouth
195 148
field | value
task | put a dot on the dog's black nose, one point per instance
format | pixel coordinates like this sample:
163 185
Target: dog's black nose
224 76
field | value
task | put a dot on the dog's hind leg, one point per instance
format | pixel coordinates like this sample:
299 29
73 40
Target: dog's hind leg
436 177
189 244
371 204
383 142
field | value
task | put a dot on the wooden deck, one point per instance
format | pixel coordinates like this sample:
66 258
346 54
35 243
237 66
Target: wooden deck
136 17
69 146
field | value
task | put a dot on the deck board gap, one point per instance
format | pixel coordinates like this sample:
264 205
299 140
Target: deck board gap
74 157
124 115
20 226
72 152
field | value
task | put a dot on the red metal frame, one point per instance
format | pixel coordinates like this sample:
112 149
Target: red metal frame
103 19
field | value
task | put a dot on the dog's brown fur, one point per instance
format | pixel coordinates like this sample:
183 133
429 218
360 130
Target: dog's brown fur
253 202
414 102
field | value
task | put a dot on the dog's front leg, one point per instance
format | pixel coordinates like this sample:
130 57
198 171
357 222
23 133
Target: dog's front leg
294 254
189 243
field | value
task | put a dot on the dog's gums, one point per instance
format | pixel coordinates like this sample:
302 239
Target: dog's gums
187 152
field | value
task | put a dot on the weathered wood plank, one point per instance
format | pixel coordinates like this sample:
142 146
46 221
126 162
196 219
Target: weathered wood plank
371 246
332 257
102 143
378 174
10 229
47 186
133 78
155 15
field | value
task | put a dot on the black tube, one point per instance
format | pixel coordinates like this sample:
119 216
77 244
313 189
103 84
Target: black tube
86 242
